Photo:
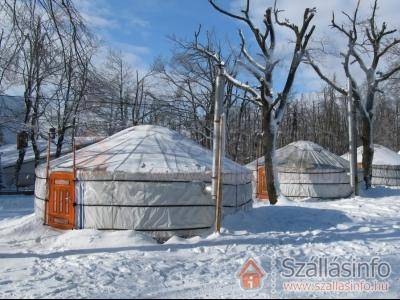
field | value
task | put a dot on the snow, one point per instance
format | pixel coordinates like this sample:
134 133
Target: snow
304 156
41 262
9 152
382 156
148 152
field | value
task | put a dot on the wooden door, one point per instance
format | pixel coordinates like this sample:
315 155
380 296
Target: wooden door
61 209
261 184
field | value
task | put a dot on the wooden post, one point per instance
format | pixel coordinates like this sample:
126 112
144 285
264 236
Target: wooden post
352 119
47 177
216 184
219 183
74 158
1 172
257 176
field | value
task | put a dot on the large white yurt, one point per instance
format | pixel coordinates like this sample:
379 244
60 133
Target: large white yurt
385 165
305 170
145 178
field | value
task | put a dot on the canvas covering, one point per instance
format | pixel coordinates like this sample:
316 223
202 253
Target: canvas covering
385 165
148 178
307 170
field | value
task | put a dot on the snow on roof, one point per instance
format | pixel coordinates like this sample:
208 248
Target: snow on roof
9 152
382 156
14 104
304 156
11 116
146 152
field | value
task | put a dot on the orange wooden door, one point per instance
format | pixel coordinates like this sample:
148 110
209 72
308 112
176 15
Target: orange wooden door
61 210
261 185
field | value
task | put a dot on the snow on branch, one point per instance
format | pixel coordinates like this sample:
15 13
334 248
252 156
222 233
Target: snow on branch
248 56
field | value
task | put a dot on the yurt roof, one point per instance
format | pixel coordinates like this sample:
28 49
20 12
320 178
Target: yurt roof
305 156
382 156
147 152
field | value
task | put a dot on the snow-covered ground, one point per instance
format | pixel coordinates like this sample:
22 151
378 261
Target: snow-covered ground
40 262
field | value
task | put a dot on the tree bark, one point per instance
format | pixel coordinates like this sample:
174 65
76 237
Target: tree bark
368 150
60 140
268 140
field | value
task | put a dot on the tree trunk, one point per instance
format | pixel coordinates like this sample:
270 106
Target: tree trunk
21 152
268 139
60 140
33 134
18 166
35 148
368 150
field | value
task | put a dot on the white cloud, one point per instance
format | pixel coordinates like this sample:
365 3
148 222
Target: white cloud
136 21
104 20
132 55
96 21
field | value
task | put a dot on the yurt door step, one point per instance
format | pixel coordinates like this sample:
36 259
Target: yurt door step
61 210
262 193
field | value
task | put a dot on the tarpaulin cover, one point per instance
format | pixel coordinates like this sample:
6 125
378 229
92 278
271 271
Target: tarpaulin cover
307 170
385 165
148 178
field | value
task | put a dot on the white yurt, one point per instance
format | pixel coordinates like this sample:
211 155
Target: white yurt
385 165
145 178
307 170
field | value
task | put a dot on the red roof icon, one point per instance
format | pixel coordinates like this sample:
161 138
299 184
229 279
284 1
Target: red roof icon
251 275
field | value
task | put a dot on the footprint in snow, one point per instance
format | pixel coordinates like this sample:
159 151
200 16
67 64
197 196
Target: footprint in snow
342 227
316 232
364 229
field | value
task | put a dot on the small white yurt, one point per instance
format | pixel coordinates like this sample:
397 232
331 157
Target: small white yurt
385 165
306 170
146 178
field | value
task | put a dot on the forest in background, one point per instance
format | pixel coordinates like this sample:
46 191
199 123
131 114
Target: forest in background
47 52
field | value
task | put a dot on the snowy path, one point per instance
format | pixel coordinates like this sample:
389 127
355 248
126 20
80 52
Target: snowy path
39 262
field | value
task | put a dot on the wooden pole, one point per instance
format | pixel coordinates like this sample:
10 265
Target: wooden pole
219 183
352 119
1 172
74 158
47 178
216 184
257 177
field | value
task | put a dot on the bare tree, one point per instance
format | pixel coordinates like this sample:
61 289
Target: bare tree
75 54
50 49
272 105
367 46
10 45
120 77
191 76
34 62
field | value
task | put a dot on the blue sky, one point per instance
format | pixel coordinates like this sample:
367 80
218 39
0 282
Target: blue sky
139 28
144 26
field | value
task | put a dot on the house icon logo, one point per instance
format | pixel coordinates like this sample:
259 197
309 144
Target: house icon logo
251 275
